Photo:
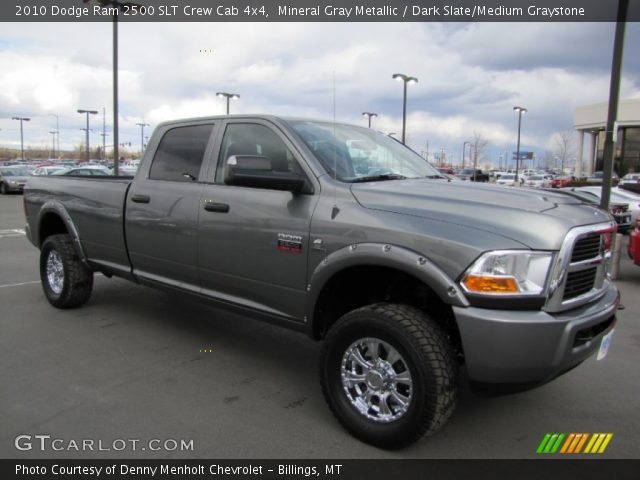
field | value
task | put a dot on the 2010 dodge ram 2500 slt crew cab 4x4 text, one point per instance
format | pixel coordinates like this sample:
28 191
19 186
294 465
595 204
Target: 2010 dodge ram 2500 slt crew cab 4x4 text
349 236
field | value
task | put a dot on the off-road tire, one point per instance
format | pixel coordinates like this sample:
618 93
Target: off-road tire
76 279
430 360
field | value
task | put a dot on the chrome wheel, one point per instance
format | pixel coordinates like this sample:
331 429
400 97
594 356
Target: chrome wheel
376 379
55 272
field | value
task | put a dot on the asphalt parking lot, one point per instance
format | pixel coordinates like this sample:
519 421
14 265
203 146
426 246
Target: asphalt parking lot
135 363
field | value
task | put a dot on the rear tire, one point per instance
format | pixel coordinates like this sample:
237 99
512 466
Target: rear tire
66 281
389 374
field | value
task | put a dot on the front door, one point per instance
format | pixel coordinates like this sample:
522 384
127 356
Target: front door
253 242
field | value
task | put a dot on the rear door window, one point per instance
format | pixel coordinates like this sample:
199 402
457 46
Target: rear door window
180 153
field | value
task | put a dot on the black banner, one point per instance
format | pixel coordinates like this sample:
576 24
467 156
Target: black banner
314 11
542 469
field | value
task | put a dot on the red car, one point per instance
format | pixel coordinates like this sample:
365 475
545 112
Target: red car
562 182
634 243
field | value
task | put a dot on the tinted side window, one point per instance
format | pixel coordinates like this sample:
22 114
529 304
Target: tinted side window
180 153
253 139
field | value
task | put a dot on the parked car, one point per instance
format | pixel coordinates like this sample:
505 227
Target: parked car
620 211
48 170
618 196
13 178
633 248
562 181
537 181
86 171
630 179
472 175
507 179
597 177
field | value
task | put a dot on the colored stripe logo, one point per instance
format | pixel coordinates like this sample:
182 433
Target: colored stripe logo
574 443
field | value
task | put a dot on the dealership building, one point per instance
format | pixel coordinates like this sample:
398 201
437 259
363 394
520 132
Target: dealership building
590 121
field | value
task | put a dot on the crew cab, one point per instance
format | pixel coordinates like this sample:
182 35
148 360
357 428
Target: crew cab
404 276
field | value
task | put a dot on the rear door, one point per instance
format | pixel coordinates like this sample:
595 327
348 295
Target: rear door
163 207
253 242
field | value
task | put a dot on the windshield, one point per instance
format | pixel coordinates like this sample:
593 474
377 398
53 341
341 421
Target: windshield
354 154
14 171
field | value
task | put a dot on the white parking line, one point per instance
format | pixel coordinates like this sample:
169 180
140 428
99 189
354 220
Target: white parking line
12 232
19 284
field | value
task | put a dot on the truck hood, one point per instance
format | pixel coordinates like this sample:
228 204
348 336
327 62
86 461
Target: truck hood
535 218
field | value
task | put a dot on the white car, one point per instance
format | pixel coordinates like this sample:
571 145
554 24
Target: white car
48 170
508 179
618 195
537 181
630 178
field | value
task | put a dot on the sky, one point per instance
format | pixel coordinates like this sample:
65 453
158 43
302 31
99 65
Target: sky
471 75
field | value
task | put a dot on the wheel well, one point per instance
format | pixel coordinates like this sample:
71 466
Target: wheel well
51 224
356 287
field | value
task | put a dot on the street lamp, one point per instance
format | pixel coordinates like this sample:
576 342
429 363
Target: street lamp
21 119
87 113
406 80
228 96
53 146
142 125
369 115
520 111
57 131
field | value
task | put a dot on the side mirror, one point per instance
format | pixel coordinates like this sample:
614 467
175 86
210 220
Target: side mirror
257 172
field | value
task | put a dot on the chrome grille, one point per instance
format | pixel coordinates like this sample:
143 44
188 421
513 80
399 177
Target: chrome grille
586 247
579 282
580 270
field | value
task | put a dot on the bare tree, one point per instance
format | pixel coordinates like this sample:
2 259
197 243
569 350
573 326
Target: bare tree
564 147
479 147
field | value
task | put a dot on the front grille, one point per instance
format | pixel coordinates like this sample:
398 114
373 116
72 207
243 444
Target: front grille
579 282
586 248
581 271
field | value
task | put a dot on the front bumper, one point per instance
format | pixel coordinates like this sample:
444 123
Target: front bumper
532 347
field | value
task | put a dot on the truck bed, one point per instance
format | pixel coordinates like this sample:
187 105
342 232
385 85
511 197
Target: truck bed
96 205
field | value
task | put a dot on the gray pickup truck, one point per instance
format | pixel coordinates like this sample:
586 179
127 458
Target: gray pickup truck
345 234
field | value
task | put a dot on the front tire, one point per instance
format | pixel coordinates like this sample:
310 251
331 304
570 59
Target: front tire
389 374
3 189
66 281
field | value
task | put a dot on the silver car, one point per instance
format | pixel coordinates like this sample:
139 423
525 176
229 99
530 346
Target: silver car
13 178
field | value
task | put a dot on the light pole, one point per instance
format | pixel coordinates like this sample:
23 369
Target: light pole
464 149
21 119
57 131
53 146
228 96
520 111
87 113
406 80
369 114
142 125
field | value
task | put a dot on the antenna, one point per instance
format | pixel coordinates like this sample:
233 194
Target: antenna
335 209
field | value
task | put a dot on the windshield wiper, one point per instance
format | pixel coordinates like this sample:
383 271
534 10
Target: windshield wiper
434 176
383 176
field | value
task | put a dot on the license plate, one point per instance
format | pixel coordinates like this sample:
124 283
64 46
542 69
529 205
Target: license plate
604 345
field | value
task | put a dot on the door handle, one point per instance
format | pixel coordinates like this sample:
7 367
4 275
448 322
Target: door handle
140 198
216 207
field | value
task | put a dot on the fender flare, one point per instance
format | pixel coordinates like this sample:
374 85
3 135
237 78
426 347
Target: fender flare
57 208
382 255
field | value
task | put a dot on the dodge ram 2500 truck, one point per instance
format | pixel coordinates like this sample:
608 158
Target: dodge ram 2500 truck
349 236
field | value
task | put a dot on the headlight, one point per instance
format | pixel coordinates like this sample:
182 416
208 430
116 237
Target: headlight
512 272
13 183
